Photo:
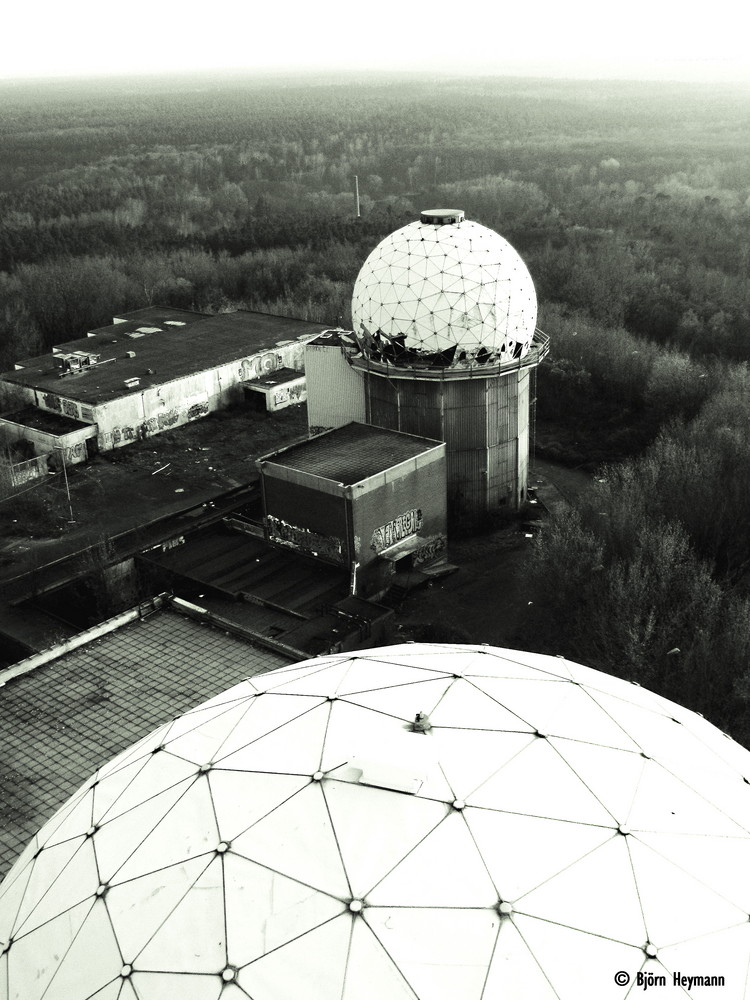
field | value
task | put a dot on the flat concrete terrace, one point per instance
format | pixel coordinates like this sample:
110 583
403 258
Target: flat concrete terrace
62 720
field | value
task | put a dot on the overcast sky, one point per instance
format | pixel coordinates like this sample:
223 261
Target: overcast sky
653 39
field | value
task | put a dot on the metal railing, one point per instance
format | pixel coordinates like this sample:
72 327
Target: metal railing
536 353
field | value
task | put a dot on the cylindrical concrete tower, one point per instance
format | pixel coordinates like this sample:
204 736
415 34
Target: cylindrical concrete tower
444 315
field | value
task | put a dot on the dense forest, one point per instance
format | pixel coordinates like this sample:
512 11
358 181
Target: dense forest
628 200
630 203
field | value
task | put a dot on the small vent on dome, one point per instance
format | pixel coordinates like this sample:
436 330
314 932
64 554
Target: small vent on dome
441 216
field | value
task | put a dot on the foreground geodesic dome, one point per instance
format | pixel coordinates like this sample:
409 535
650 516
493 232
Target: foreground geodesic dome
447 292
545 829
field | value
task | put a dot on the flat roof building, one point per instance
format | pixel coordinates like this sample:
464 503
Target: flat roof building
364 497
155 369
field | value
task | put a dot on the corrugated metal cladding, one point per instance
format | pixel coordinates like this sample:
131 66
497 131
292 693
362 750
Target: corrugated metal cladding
483 421
336 393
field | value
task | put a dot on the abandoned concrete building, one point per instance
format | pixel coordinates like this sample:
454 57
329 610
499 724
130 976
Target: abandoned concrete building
150 371
365 498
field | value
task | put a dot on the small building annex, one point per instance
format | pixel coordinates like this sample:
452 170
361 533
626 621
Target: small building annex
151 370
366 498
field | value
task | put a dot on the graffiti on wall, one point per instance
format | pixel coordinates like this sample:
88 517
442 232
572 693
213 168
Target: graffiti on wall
289 395
120 435
197 410
302 539
51 402
172 543
260 365
67 454
394 530
168 418
162 421
429 551
75 452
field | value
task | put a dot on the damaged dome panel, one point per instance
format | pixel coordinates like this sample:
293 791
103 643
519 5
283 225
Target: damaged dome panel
447 293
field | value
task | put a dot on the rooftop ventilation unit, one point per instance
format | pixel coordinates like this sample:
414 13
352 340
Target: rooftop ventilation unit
129 354
74 361
174 322
131 383
149 329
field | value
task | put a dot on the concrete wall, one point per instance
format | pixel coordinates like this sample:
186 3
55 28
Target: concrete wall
73 444
57 402
404 504
408 499
277 397
335 392
149 410
289 394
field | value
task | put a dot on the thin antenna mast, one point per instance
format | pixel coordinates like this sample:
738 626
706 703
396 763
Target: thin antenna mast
356 194
67 487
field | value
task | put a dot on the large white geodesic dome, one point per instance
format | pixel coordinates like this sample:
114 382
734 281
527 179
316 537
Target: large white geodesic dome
544 830
447 292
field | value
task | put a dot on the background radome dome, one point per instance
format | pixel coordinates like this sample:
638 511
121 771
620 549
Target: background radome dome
545 828
446 291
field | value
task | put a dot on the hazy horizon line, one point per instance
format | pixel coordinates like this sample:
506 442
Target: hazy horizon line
589 72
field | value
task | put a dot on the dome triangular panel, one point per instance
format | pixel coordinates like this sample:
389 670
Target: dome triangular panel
298 840
313 965
609 906
463 883
118 839
439 952
370 972
151 897
562 795
90 960
265 910
194 938
376 829
186 831
76 880
524 852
